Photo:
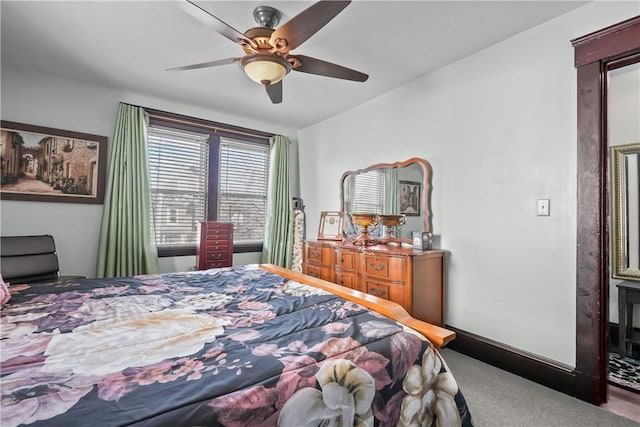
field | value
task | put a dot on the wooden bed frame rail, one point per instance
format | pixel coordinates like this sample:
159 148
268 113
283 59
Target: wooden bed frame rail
437 335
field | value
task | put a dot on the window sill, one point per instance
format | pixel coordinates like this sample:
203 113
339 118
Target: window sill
238 248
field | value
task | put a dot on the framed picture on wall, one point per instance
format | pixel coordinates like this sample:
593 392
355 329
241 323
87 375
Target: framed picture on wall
410 193
51 165
331 224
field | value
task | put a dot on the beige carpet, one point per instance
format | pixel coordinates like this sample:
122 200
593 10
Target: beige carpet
497 398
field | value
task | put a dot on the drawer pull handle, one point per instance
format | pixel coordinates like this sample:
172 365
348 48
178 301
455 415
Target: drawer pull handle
377 292
380 267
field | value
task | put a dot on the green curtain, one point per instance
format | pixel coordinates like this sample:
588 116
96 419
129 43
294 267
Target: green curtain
127 244
278 230
391 197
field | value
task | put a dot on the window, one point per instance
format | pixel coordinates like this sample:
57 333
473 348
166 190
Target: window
242 192
200 172
371 199
178 178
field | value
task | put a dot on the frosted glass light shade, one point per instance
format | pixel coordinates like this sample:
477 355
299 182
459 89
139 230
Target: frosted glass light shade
265 69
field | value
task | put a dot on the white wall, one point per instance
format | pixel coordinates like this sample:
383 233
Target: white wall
45 100
499 130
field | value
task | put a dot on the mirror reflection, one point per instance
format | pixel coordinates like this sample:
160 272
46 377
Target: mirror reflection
400 188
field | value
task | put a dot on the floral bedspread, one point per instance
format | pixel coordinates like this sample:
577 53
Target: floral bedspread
234 347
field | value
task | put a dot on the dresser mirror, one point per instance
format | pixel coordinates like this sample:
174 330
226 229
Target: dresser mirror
625 172
389 189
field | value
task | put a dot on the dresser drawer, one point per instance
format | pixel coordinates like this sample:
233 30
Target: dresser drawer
380 290
345 279
345 259
217 244
222 255
323 273
392 268
393 291
216 264
319 254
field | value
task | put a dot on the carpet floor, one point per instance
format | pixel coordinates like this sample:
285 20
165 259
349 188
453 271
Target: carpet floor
498 398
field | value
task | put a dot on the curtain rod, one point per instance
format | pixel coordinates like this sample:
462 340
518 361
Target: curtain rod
207 124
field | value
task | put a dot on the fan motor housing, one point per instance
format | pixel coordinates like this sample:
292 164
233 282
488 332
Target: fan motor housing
266 16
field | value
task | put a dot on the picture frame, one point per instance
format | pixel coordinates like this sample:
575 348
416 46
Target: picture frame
331 225
44 164
410 193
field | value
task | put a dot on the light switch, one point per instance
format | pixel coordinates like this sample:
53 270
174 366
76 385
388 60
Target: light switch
543 207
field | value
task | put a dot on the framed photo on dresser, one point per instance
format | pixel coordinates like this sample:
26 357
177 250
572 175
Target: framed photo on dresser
331 224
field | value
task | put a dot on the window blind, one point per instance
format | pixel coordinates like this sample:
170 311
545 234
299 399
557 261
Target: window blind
242 189
178 177
371 198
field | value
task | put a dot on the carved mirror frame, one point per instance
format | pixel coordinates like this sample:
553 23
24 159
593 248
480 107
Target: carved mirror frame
425 193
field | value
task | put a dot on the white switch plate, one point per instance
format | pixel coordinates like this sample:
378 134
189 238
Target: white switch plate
543 207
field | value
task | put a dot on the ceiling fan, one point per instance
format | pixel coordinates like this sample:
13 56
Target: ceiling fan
267 56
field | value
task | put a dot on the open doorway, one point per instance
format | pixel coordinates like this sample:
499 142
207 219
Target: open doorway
623 139
595 55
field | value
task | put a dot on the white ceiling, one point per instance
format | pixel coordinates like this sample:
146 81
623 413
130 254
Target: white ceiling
128 45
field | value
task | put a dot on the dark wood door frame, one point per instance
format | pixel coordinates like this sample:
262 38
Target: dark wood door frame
594 53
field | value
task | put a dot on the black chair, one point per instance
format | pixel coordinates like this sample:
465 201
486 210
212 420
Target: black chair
30 259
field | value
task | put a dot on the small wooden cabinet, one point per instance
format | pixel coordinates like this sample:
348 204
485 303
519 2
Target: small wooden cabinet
215 247
412 278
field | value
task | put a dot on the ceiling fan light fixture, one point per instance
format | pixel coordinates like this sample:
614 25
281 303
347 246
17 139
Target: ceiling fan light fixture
265 69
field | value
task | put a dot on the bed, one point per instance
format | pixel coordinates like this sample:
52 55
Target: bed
239 346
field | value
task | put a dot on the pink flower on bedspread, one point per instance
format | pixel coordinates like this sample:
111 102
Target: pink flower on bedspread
297 346
71 297
335 328
242 336
29 395
334 346
148 289
375 329
254 305
266 350
27 345
114 386
151 374
249 407
110 290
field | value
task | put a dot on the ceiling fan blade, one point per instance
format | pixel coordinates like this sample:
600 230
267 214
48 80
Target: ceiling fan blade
275 92
323 68
214 22
205 64
302 26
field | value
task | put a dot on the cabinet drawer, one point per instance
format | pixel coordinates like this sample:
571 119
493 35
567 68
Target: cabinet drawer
393 291
345 259
345 279
217 244
380 290
217 256
385 267
216 264
319 254
319 272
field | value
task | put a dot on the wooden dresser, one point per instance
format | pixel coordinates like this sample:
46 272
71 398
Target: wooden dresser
412 278
215 248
